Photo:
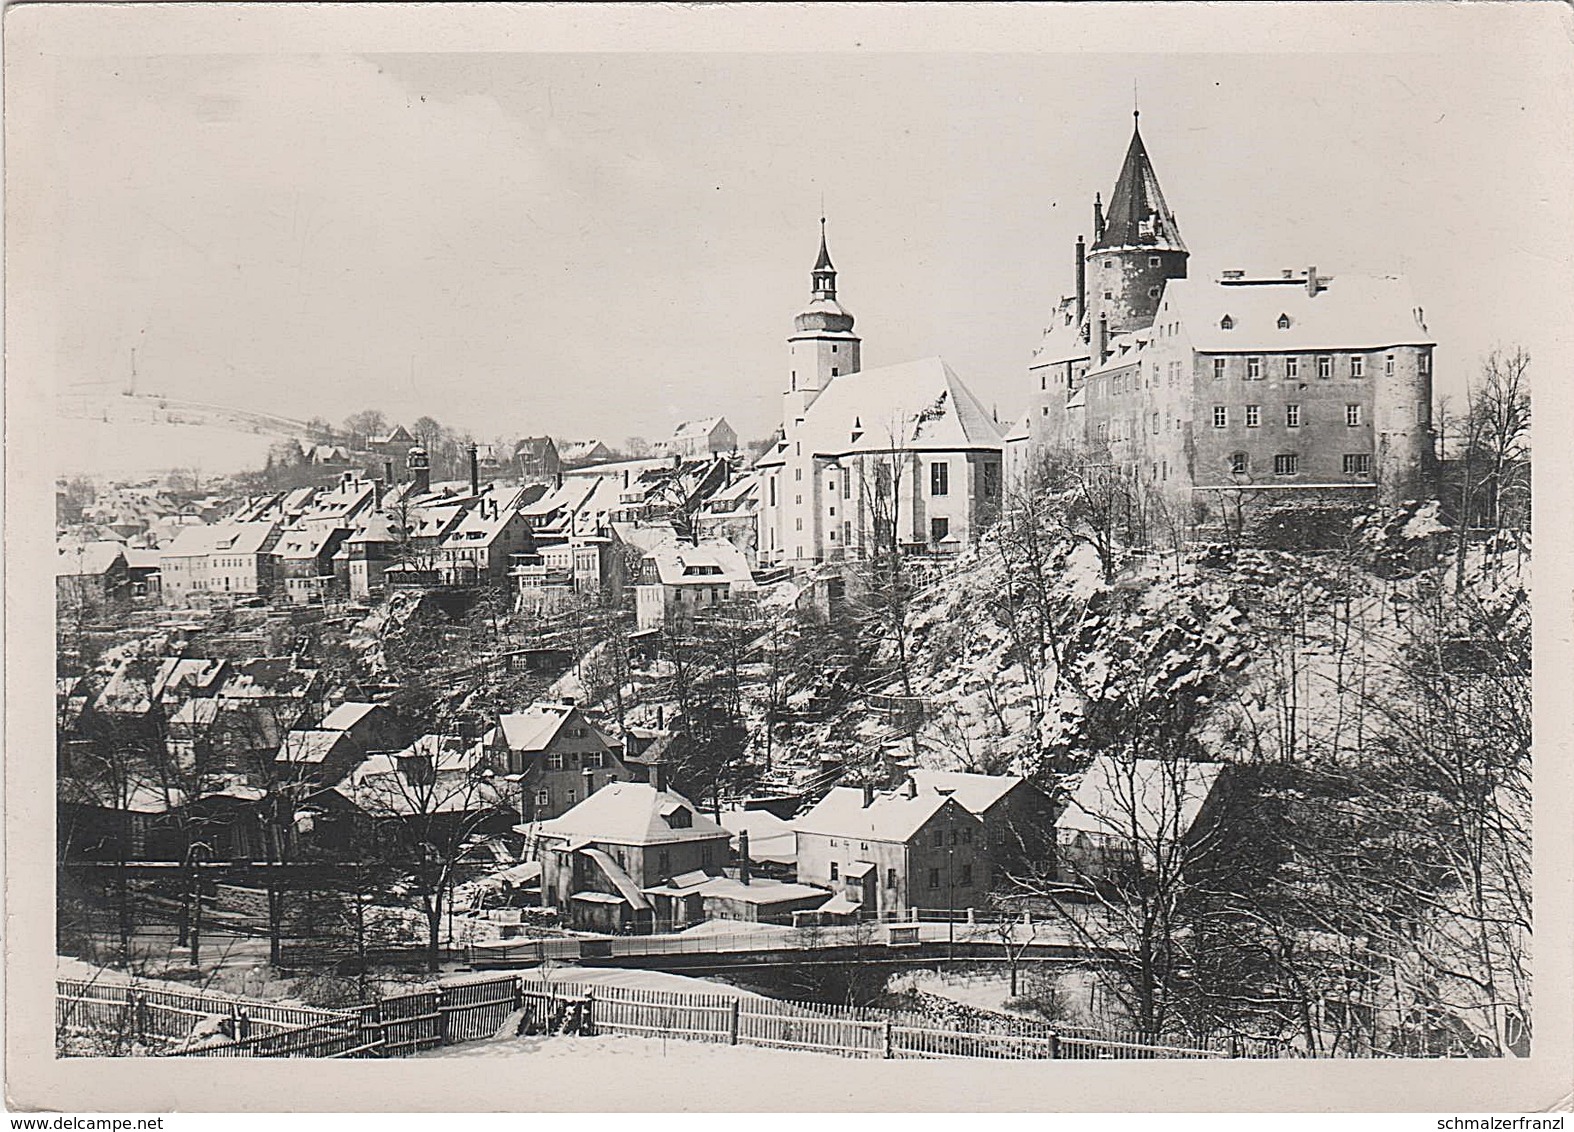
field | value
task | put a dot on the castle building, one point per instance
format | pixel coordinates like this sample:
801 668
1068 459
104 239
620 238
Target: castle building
901 457
1287 388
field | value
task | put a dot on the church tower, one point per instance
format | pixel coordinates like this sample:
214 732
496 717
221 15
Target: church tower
1136 247
822 346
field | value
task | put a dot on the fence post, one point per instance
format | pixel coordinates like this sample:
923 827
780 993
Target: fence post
588 1029
440 1004
886 1042
139 1015
1054 1045
732 1023
242 1025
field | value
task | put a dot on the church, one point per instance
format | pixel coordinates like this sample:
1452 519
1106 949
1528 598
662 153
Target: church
1288 388
901 458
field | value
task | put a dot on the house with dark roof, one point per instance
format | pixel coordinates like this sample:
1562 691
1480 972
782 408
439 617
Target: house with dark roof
536 460
600 857
559 756
886 851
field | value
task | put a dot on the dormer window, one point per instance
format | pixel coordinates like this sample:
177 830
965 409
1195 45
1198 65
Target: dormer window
1226 323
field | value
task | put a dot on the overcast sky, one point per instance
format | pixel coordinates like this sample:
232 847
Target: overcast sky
606 244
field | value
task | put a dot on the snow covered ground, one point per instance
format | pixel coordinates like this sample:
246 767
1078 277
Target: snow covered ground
626 1050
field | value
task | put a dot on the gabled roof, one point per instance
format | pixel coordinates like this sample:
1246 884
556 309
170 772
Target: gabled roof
976 792
893 816
309 747
1158 798
1138 215
91 559
918 406
631 813
347 715
697 430
713 561
770 838
537 726
266 676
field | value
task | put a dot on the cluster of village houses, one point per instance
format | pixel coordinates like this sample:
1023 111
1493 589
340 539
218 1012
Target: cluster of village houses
594 826
1295 385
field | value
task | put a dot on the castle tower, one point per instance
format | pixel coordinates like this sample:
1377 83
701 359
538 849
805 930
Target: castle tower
822 346
420 467
1136 246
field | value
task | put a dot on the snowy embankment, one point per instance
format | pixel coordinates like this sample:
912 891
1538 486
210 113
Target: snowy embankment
625 1050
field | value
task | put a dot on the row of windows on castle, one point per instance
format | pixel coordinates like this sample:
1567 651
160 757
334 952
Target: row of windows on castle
1126 382
1127 428
1357 464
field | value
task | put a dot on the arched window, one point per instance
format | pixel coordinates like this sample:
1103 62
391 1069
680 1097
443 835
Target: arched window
1226 323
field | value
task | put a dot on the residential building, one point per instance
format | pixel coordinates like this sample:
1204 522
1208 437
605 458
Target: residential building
1129 810
478 549
701 439
598 859
346 736
732 515
1018 817
226 560
536 460
305 562
888 851
559 757
578 453
679 581
900 458
92 578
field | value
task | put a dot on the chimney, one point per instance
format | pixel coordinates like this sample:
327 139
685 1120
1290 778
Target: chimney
625 477
1102 342
569 701
912 788
868 794
1082 279
658 775
743 856
660 715
1313 284
475 472
560 479
388 471
1098 218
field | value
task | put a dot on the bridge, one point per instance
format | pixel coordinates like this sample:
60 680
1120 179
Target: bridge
918 943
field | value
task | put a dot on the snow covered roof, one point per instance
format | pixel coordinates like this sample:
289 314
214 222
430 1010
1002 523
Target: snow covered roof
1348 312
192 674
976 792
893 816
537 726
713 561
770 838
90 559
630 813
760 891
312 746
347 715
697 430
1156 797
646 538
303 544
435 774
919 406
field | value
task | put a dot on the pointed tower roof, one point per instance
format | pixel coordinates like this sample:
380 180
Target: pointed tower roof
1138 215
824 313
824 262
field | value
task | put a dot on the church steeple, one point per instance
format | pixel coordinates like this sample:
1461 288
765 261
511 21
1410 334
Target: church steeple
823 346
824 275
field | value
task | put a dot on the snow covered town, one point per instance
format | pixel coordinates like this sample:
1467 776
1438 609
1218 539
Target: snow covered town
1181 711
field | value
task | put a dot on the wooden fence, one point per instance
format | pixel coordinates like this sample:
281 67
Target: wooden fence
854 1031
465 1011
